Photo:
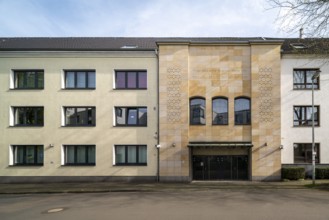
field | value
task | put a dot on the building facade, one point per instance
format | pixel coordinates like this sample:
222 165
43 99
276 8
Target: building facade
70 115
298 66
149 109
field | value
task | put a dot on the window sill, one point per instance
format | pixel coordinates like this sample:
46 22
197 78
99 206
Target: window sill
129 88
219 124
130 165
26 165
78 165
26 126
305 126
79 126
78 88
130 126
18 89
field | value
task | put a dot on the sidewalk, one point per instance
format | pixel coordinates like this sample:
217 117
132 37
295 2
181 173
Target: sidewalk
96 187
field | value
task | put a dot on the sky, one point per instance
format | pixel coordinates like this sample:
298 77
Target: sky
138 18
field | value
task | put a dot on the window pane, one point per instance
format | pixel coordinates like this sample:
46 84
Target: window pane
19 116
19 154
39 115
81 154
142 116
120 80
30 154
30 79
303 153
81 116
132 117
19 79
132 154
70 154
91 80
40 80
131 78
142 80
120 154
120 116
70 116
142 154
91 154
220 111
81 79
30 116
242 111
197 111
39 155
91 116
69 80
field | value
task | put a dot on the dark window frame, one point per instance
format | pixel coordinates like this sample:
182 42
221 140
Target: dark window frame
25 113
212 107
86 86
305 84
235 120
86 119
126 163
87 146
137 72
307 157
197 113
25 80
304 122
24 163
118 111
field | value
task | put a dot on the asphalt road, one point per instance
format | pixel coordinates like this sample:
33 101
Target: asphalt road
191 205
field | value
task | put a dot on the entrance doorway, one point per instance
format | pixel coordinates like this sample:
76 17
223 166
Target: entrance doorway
230 167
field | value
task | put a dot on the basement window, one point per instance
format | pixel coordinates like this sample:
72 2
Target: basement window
298 46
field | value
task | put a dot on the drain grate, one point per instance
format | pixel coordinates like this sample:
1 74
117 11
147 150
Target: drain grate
54 210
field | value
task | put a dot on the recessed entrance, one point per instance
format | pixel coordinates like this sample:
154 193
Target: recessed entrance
228 167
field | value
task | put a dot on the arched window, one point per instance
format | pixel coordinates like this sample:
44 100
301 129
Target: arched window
242 113
220 111
197 111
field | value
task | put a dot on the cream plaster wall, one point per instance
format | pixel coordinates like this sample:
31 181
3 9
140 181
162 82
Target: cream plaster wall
290 97
104 135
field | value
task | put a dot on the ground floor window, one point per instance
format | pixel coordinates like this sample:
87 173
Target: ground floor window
28 155
130 155
303 153
79 155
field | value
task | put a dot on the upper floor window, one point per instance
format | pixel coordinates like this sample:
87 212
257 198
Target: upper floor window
220 111
197 111
303 153
130 155
79 155
28 116
303 115
303 79
27 155
242 113
130 80
131 116
28 79
80 79
80 116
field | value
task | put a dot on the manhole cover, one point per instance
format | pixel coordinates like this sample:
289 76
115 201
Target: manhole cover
54 210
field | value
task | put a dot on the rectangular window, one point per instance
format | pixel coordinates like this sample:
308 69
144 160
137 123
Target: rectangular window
130 155
80 155
80 79
303 153
303 116
27 155
303 79
28 79
130 80
28 116
80 116
131 116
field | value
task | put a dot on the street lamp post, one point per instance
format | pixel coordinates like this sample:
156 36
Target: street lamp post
315 76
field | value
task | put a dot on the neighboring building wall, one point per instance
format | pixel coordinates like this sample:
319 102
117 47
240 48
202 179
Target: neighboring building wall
186 71
291 97
53 97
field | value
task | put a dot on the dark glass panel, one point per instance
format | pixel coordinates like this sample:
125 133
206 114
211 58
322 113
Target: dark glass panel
131 79
120 80
142 80
220 111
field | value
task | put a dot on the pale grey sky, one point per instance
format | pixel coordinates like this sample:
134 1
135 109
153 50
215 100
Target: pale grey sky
137 18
